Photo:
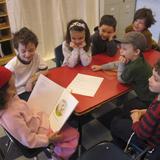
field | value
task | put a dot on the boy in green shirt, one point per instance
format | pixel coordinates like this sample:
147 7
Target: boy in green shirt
132 69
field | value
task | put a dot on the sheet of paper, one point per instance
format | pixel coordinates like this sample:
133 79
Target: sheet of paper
85 84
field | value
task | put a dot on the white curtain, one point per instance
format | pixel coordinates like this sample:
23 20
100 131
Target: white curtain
48 19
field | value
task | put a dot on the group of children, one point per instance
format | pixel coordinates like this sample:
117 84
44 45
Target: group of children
79 45
29 126
18 77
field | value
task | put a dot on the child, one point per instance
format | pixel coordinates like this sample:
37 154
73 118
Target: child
31 127
143 19
144 123
132 68
103 39
27 65
76 47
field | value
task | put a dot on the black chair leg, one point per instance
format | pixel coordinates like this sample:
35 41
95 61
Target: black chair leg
1 154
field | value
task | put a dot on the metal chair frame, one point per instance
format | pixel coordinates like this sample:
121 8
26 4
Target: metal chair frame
26 152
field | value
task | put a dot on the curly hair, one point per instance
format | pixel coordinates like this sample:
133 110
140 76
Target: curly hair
146 14
3 95
79 28
24 36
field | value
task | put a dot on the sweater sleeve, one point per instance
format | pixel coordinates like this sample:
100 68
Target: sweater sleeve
128 28
103 46
85 57
11 64
146 126
70 57
19 129
148 36
111 48
121 67
110 65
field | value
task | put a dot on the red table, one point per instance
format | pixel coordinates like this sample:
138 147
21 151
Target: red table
108 90
152 56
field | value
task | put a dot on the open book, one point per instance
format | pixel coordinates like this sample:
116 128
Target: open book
56 101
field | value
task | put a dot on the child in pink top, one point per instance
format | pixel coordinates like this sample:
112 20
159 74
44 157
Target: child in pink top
31 127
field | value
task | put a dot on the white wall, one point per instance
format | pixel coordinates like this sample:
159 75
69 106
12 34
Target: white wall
122 10
155 6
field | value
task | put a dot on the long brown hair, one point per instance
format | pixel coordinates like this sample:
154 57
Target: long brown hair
78 25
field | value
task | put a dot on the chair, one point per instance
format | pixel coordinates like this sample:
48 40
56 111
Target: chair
26 152
138 148
105 151
1 154
59 55
109 151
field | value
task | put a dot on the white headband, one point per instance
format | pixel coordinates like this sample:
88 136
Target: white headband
77 24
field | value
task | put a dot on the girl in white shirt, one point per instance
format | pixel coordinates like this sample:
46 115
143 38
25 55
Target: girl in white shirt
76 47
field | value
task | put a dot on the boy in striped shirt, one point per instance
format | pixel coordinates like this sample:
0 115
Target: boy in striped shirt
145 122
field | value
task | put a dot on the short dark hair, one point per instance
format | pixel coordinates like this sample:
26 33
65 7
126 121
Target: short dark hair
108 20
146 14
3 96
157 67
24 36
77 25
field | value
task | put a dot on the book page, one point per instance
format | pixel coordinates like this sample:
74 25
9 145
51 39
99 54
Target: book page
62 110
51 98
45 94
85 84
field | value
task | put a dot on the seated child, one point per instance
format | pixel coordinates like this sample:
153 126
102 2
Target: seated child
132 68
144 123
143 19
103 38
76 47
27 64
31 127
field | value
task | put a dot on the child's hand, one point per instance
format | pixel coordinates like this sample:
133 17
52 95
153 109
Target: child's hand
82 45
29 86
136 115
55 137
123 59
141 112
96 68
72 45
112 36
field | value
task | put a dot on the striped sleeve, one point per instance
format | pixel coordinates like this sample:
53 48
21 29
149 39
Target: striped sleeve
146 126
